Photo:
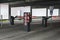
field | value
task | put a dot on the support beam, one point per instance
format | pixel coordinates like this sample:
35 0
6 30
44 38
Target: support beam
31 13
9 13
59 12
46 12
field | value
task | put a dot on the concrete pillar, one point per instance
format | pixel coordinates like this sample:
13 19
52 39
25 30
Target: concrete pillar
46 12
46 17
0 10
59 12
9 13
31 13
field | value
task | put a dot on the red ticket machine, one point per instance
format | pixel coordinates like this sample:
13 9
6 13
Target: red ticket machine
27 20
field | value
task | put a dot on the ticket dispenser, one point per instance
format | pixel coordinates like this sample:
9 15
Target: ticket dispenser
27 21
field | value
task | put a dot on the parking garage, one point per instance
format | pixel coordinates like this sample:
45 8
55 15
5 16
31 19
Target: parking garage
29 20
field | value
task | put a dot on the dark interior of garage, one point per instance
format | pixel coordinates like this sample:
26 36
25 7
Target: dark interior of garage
29 19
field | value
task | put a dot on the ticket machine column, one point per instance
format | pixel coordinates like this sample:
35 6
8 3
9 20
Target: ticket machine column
27 21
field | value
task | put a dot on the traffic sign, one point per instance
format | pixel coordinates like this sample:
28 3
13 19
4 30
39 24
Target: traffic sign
51 10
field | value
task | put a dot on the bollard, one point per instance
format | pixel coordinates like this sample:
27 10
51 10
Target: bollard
12 20
44 21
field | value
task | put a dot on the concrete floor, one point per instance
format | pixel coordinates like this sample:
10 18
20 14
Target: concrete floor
17 32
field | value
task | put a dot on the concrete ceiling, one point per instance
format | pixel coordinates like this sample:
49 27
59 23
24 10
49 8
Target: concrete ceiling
39 3
33 3
4 1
